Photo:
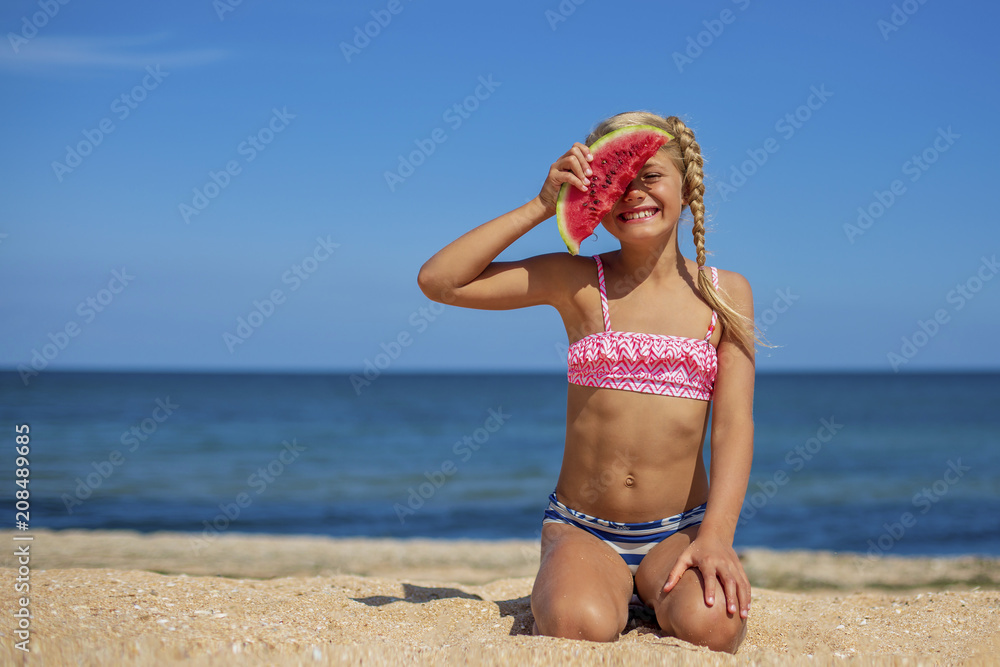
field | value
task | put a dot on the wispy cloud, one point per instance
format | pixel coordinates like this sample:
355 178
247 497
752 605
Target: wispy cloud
45 54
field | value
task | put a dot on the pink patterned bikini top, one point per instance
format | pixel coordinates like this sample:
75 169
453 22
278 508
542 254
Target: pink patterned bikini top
647 363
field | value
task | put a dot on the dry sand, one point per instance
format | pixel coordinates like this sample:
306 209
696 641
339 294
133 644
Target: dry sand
107 598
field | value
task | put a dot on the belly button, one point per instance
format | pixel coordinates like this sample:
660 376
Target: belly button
629 481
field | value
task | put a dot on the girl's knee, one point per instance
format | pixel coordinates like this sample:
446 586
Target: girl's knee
714 627
571 618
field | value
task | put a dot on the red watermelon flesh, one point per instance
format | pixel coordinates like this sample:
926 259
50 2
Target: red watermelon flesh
618 157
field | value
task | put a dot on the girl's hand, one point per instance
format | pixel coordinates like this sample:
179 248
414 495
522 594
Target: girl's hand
573 168
718 563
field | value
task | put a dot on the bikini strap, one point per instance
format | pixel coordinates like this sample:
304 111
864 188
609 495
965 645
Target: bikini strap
715 315
604 293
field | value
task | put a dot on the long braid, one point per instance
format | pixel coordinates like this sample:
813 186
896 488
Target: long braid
694 182
694 194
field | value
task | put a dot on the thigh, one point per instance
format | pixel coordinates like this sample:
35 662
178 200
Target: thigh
583 587
655 568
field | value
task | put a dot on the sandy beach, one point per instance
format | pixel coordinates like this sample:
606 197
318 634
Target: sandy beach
109 597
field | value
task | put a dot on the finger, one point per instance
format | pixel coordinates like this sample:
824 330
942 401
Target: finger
576 181
672 579
585 155
582 154
562 172
570 169
580 165
676 573
709 579
744 594
732 597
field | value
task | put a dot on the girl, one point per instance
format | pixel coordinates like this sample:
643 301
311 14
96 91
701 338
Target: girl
655 339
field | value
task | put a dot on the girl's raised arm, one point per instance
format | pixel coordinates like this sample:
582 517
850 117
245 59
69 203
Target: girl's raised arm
463 273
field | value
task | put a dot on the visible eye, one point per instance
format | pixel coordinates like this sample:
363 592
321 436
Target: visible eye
649 176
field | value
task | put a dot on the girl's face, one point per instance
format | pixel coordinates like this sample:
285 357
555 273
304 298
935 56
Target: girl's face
651 205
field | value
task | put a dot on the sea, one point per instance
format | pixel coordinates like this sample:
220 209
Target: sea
901 464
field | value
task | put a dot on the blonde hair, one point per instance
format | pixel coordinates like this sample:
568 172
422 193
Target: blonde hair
685 153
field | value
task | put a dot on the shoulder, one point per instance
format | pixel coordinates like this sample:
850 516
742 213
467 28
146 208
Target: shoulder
734 283
564 281
737 288
560 274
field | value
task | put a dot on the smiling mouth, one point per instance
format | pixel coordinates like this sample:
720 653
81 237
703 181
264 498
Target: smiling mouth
638 216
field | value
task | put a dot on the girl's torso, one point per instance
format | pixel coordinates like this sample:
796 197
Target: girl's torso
638 401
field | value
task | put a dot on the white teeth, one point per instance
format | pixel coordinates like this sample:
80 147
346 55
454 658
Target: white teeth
644 214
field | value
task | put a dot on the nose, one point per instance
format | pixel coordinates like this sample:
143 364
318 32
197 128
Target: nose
632 192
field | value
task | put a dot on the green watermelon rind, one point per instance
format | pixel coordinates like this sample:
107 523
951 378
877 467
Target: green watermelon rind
572 246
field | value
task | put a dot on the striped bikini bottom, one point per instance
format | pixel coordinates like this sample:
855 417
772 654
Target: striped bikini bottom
631 541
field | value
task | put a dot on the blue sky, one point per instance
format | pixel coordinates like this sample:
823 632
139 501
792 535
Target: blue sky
176 164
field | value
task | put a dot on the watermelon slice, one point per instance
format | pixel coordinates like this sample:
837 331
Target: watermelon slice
618 157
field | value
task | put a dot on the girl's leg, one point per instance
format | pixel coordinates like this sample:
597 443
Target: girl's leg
583 587
683 612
